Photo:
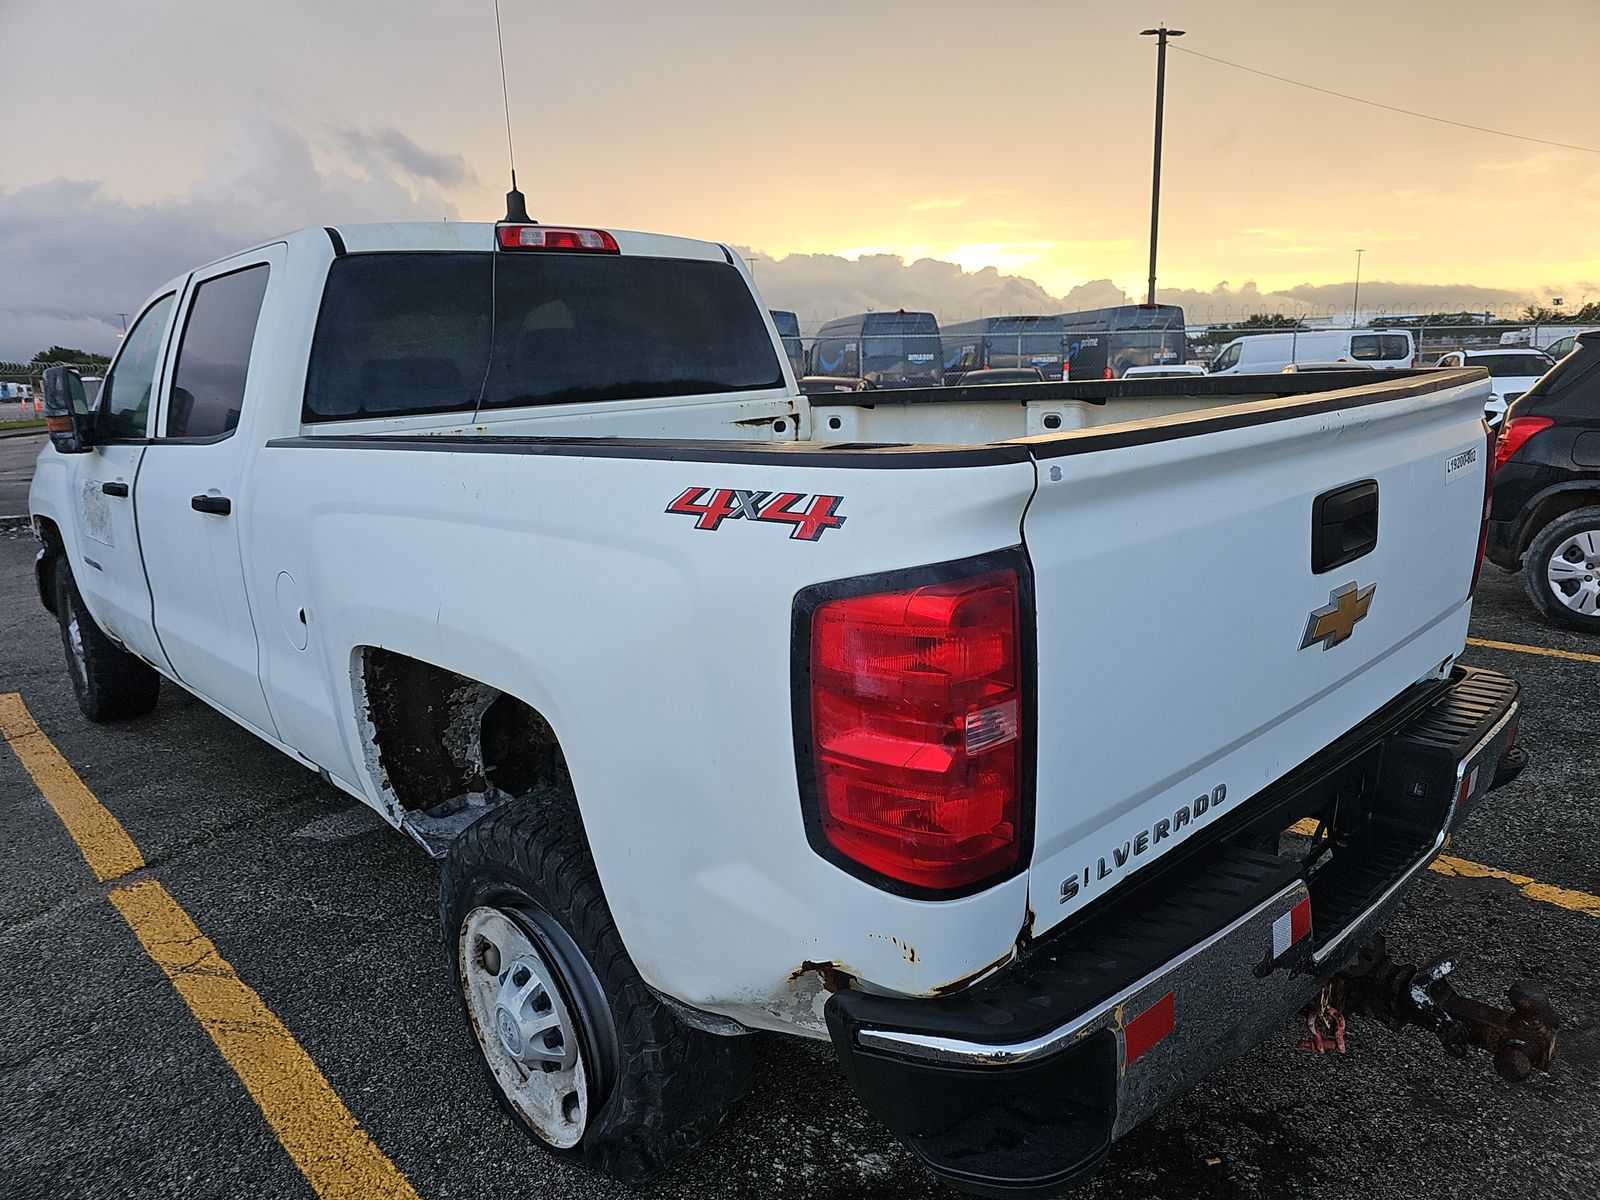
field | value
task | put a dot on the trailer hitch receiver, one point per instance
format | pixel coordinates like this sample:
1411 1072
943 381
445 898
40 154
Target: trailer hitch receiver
1521 1039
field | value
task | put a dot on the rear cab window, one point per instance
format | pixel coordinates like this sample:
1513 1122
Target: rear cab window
408 333
1380 347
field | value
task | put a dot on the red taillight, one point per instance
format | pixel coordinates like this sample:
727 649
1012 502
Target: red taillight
1107 374
1490 462
549 237
917 730
1515 433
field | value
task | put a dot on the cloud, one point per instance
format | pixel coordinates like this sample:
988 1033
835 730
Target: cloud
392 148
821 286
937 202
76 255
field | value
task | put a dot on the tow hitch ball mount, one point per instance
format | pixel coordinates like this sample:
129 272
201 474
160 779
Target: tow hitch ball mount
1521 1039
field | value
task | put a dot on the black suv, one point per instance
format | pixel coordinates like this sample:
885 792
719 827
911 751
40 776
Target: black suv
1545 515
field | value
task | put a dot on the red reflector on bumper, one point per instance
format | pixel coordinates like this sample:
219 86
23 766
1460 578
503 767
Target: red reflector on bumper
1148 1028
1290 928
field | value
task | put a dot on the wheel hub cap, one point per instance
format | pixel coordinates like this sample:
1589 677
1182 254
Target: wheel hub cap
528 1034
1570 572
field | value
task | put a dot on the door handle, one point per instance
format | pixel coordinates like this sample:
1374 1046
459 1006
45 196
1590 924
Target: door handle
219 506
114 489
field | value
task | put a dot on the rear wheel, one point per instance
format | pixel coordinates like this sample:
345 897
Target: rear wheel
578 1049
110 683
1562 570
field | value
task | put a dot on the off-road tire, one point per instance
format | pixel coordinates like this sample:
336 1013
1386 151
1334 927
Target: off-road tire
662 1087
110 683
1535 567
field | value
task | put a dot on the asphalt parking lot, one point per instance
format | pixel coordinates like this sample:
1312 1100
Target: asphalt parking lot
111 1087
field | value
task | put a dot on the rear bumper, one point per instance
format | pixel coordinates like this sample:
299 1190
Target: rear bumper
1021 1082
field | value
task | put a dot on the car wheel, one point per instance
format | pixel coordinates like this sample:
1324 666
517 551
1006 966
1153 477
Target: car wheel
1562 570
110 683
577 1048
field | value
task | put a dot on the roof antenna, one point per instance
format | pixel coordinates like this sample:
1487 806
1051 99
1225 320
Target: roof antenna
516 204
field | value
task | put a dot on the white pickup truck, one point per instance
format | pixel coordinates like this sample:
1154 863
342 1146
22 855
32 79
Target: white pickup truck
955 726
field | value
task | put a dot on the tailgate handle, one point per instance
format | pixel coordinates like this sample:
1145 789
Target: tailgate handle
1344 525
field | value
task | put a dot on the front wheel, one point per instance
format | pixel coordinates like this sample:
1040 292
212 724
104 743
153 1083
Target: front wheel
1562 570
110 683
577 1048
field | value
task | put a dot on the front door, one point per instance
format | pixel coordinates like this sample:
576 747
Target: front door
108 571
189 490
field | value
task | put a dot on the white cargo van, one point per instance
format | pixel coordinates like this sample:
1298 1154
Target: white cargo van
1382 349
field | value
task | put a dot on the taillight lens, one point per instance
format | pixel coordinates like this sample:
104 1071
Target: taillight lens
917 730
1514 433
550 237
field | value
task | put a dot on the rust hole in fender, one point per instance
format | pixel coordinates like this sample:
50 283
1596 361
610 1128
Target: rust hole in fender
834 977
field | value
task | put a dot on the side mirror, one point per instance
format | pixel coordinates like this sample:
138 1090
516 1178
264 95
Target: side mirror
66 411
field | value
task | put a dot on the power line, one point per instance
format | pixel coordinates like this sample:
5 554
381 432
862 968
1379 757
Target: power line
1521 137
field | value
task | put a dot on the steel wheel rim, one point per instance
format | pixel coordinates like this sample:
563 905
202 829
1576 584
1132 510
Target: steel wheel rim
1573 572
524 1027
74 630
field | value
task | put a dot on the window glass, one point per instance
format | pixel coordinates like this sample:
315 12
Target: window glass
411 333
124 400
1230 357
1502 366
214 355
1379 347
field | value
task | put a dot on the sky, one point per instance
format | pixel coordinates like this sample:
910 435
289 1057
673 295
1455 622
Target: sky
866 154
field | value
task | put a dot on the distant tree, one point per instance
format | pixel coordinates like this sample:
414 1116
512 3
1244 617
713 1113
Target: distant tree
66 354
1272 321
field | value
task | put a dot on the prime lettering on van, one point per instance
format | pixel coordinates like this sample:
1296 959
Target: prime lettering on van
1142 842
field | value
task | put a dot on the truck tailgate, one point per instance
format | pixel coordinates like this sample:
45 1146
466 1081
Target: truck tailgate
1188 654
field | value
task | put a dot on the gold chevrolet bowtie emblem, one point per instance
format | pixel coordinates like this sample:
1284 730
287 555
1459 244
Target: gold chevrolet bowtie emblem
1336 621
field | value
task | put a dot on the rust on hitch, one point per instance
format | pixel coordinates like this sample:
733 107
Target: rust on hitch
1520 1039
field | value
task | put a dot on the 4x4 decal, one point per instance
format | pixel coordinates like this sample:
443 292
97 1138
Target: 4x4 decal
809 517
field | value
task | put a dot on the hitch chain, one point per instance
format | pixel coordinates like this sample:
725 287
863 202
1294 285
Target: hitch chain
1521 1039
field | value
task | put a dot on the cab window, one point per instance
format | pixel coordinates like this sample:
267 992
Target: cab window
124 400
214 355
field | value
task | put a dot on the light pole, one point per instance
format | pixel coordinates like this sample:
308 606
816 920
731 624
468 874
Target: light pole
124 332
1355 303
1161 33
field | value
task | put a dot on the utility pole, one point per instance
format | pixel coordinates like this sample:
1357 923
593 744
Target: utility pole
1355 303
1161 33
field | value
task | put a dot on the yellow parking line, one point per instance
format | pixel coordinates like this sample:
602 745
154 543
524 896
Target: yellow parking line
1546 651
1573 901
106 846
325 1141
1546 893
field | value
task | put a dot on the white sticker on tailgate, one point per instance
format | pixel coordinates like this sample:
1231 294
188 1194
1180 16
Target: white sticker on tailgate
1458 466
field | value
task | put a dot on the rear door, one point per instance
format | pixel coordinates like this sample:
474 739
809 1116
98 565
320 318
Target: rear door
1190 651
190 485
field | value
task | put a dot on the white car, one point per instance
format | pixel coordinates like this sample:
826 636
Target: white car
1380 349
874 718
1511 372
1168 371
